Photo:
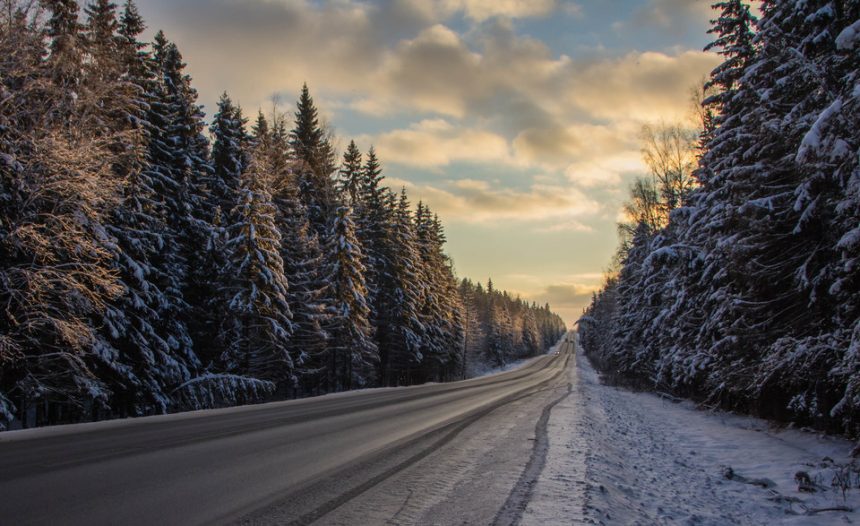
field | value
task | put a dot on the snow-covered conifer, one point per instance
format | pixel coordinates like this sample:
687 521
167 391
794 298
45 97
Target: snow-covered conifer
353 355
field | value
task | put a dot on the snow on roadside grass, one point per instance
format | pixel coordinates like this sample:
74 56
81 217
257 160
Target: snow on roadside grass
620 457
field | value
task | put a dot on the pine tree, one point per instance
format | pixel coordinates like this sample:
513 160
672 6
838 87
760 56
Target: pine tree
398 325
101 29
302 254
352 352
475 337
374 221
734 29
66 47
314 153
531 337
258 328
440 314
229 156
179 163
351 175
495 351
144 366
309 294
137 61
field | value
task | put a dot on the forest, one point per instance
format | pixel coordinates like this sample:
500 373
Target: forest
151 262
737 281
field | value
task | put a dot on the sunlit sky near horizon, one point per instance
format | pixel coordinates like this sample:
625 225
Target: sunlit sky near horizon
517 121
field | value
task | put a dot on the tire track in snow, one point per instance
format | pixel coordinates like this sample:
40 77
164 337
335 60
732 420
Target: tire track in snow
512 511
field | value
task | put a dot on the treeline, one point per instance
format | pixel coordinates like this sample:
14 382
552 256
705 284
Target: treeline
500 328
147 266
744 291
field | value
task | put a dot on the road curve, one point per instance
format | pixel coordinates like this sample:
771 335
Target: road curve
305 457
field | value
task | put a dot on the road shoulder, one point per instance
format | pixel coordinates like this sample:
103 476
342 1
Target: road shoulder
620 457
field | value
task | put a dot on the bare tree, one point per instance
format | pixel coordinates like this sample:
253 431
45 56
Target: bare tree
669 151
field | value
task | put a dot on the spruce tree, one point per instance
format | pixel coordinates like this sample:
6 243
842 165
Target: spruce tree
302 255
734 40
144 366
258 328
313 152
399 328
374 220
229 156
102 27
353 355
66 46
350 175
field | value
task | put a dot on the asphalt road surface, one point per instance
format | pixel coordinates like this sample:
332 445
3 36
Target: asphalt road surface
458 453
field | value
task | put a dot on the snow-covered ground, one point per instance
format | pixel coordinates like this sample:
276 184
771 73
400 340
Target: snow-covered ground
619 457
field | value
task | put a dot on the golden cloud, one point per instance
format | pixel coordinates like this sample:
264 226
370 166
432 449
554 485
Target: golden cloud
473 201
437 142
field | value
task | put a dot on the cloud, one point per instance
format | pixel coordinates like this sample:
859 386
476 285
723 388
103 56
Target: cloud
640 86
573 9
605 171
257 48
569 293
474 201
567 299
480 10
434 72
571 225
437 142
675 17
557 146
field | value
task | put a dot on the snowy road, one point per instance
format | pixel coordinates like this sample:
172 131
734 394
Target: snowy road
441 453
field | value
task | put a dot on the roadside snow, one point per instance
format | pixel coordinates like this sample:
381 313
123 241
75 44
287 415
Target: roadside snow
478 371
619 457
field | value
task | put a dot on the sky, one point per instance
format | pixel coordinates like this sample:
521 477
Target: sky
517 121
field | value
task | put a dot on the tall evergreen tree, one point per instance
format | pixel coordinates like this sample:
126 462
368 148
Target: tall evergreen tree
351 175
66 46
302 254
352 352
229 156
399 327
734 40
740 298
374 220
259 327
314 153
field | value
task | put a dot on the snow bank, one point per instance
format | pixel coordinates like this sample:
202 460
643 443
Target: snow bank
619 457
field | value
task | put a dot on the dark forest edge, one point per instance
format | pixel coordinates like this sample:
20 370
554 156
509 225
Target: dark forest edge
742 289
146 268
